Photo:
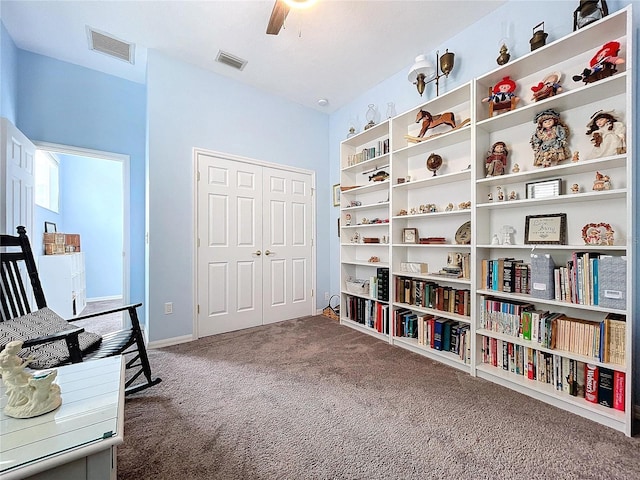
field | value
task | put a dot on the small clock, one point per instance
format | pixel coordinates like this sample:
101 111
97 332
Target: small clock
463 235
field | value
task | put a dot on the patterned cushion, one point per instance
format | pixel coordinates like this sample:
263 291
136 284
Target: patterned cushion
38 324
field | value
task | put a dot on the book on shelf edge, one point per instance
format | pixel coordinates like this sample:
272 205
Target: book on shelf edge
605 387
618 390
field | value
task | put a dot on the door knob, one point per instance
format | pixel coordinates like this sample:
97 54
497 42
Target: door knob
267 252
258 253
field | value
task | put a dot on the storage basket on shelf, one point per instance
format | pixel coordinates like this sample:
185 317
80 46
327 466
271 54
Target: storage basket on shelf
359 287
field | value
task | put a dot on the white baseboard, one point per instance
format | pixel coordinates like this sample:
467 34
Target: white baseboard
170 341
103 299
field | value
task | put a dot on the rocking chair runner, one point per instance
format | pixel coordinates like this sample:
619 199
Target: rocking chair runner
48 338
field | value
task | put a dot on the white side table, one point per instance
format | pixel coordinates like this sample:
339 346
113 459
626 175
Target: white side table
79 439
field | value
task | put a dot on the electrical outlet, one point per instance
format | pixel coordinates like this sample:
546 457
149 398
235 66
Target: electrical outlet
326 296
168 308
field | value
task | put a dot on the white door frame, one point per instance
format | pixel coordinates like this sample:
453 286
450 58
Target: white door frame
240 159
126 186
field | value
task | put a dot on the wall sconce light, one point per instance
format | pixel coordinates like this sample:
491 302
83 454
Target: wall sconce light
423 71
588 12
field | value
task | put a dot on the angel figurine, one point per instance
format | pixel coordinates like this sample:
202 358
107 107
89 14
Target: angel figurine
549 141
607 134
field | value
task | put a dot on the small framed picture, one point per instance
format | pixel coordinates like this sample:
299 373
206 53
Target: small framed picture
544 189
549 229
50 227
336 195
409 235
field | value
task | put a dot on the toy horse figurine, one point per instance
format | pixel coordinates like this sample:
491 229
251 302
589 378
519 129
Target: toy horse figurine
431 121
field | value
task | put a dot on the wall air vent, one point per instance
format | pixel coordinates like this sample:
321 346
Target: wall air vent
109 45
231 60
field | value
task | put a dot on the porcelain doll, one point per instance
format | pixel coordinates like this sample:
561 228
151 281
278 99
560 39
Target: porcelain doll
496 162
549 141
607 135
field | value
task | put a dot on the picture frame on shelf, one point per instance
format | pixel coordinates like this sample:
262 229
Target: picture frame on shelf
336 195
50 227
409 235
547 229
544 188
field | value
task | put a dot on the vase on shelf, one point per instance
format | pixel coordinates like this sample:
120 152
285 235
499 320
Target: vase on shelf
391 110
371 116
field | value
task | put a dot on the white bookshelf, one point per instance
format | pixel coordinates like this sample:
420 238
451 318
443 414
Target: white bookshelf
462 179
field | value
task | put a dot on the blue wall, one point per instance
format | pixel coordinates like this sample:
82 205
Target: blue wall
70 105
8 75
189 107
92 205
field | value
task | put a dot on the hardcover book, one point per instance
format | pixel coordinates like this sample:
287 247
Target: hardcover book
605 387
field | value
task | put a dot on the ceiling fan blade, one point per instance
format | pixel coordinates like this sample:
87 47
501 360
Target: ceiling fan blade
278 15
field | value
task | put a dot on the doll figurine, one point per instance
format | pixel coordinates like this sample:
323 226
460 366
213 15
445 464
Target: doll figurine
502 96
607 135
602 65
548 87
496 162
549 141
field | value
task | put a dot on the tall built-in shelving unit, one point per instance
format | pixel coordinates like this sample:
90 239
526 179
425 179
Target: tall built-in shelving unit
493 348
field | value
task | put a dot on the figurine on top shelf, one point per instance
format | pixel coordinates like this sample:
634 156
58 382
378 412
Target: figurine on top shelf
602 65
547 87
496 162
607 134
549 141
502 96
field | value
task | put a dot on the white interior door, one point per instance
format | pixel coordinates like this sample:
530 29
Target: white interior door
16 207
287 236
230 237
254 261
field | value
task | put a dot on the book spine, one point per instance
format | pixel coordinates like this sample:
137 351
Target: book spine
618 390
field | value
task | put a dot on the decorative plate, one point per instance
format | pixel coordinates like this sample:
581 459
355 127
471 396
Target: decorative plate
463 235
597 234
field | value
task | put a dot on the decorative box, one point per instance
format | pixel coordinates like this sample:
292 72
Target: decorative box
542 285
414 267
612 282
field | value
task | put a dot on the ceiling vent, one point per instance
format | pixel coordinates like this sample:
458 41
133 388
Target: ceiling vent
109 45
231 60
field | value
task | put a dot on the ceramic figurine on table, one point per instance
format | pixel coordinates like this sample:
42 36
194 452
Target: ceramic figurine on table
575 188
549 141
548 87
507 231
500 194
28 394
516 168
607 135
496 161
513 195
602 65
495 240
576 156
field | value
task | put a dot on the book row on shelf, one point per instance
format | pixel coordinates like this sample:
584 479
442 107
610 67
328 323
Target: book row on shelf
602 340
435 332
594 383
589 278
427 294
369 313
369 153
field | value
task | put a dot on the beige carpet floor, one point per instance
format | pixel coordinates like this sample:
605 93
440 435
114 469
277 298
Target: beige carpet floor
310 399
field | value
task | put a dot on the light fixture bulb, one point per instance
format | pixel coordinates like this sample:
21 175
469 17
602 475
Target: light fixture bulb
299 4
323 102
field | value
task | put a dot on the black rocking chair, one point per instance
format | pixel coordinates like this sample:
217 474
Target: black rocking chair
51 340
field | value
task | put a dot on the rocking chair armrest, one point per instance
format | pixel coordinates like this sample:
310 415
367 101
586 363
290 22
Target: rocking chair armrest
106 312
64 335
